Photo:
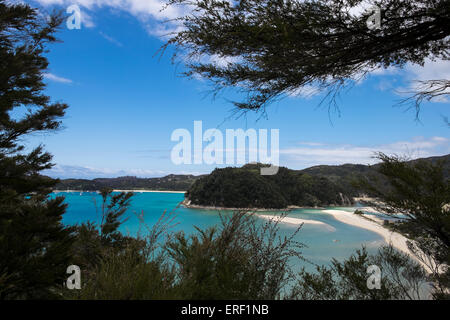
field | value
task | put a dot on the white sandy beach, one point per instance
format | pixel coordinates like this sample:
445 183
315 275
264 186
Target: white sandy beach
296 221
397 240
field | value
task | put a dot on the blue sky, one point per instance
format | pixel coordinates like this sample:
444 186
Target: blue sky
125 103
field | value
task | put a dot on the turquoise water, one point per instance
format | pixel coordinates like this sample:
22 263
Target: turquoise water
337 240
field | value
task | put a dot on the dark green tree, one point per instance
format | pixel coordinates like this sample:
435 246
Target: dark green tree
127 267
274 47
420 191
34 244
241 259
92 241
113 208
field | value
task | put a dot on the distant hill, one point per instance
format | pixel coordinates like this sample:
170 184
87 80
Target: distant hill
170 182
316 186
344 175
229 187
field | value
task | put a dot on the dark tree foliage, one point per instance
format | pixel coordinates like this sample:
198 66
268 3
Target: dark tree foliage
420 190
246 188
234 188
34 244
176 182
274 47
113 207
118 266
93 241
401 278
240 260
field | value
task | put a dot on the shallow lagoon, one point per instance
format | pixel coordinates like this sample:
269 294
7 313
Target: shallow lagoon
337 240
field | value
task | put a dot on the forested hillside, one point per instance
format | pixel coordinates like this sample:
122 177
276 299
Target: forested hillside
347 174
246 188
316 185
170 182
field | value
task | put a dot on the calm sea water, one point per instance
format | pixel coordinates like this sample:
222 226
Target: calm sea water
337 240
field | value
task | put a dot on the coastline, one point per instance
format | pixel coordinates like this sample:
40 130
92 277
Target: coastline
396 239
195 206
187 203
158 191
120 190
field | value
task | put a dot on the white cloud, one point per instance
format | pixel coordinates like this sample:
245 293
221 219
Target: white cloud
144 10
411 75
307 155
52 77
317 153
87 172
361 8
438 69
431 70
111 39
70 171
306 92
86 19
312 144
151 13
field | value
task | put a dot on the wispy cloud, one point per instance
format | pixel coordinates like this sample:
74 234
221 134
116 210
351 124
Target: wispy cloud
317 153
305 92
407 81
53 77
144 10
111 39
152 14
87 20
86 172
431 70
312 144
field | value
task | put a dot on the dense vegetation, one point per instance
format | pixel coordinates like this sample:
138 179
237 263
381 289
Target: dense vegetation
274 48
420 190
347 175
246 188
316 186
34 244
240 258
342 178
169 182
244 259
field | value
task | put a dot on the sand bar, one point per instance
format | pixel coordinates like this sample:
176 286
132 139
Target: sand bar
296 221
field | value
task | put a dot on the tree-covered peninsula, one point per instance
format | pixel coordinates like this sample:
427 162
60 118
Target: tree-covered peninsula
245 187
